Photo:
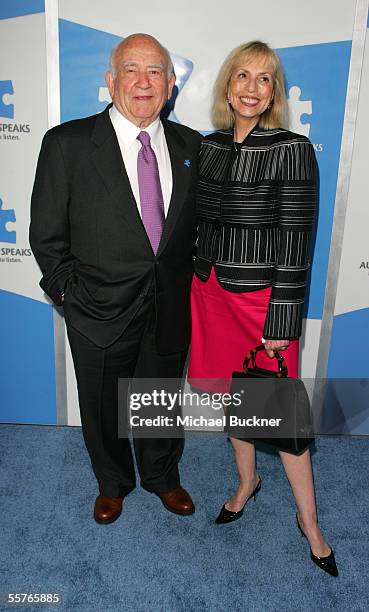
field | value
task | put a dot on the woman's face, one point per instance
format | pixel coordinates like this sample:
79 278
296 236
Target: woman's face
250 90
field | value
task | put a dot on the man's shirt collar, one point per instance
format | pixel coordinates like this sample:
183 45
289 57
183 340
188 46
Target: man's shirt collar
128 131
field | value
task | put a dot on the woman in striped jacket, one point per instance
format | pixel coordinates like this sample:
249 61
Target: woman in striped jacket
257 195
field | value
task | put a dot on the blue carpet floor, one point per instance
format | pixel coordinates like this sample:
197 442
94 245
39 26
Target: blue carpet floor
152 560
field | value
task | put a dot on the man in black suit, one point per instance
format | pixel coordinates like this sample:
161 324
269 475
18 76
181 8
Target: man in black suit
126 298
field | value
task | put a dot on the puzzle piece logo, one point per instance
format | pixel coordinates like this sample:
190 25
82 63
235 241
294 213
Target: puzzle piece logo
298 108
6 109
104 95
7 216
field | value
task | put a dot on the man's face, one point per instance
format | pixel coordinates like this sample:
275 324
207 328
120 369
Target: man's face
141 86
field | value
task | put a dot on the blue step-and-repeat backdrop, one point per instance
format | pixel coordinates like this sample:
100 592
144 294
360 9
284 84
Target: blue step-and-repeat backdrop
316 54
28 385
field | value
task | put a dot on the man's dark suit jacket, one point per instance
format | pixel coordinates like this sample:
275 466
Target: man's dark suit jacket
88 238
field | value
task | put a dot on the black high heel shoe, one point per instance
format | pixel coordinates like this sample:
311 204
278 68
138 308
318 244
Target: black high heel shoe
228 516
327 564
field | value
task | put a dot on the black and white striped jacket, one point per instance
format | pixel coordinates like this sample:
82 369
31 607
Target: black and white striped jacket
255 203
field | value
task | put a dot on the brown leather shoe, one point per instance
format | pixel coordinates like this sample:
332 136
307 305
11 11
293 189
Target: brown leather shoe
107 509
178 501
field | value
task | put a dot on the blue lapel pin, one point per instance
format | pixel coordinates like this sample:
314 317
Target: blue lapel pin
187 163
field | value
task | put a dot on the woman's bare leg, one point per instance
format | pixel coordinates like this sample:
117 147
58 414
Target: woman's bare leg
300 475
244 453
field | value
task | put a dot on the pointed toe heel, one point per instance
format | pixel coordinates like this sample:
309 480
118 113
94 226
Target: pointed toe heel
229 516
328 563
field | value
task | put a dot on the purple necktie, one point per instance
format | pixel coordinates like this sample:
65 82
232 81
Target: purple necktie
151 197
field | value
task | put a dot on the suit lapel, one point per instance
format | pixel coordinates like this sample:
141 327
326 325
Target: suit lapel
181 174
109 164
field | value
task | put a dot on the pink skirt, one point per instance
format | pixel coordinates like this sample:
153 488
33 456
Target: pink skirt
225 326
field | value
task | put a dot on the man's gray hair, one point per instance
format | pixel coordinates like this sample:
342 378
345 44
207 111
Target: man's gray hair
114 51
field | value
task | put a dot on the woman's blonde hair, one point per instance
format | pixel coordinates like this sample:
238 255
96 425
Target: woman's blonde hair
222 114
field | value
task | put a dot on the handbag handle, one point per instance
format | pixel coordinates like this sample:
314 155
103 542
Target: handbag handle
282 367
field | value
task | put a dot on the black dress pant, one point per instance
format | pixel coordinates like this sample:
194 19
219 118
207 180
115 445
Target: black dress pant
97 372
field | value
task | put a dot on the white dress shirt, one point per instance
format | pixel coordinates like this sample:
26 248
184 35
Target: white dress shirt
127 133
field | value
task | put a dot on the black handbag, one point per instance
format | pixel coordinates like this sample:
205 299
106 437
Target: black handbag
270 407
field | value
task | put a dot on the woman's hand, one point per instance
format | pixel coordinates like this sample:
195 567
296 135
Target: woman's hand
275 345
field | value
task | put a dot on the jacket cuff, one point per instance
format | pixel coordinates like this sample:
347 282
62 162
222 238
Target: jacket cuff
56 289
283 321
